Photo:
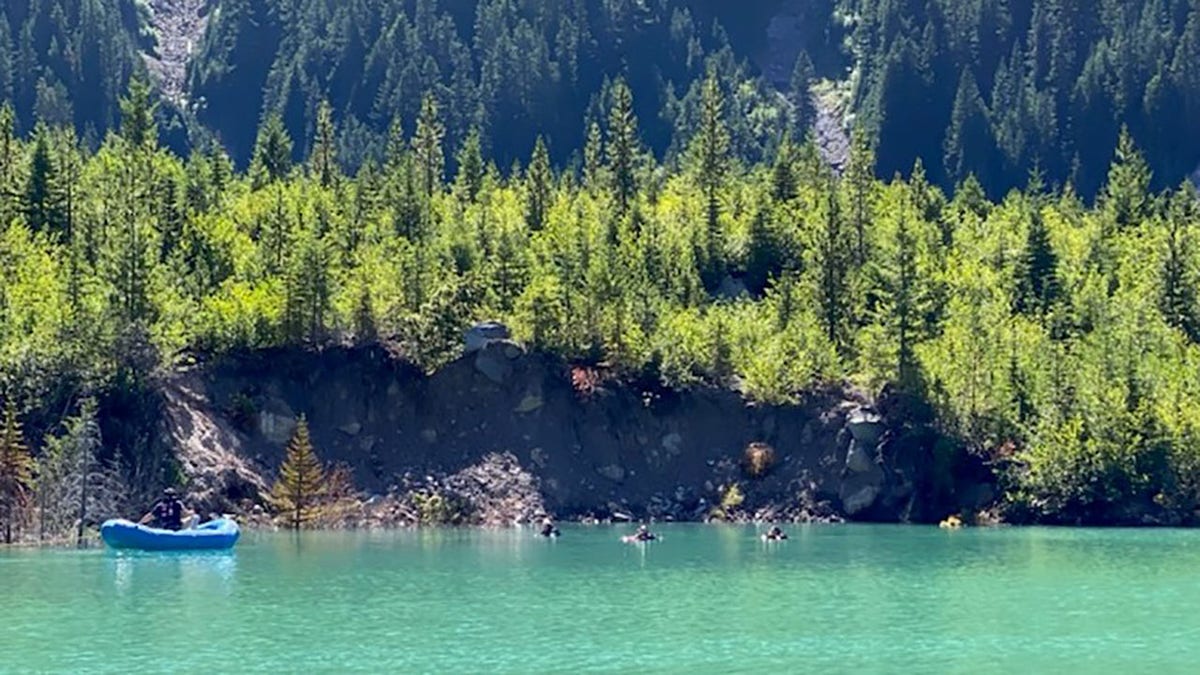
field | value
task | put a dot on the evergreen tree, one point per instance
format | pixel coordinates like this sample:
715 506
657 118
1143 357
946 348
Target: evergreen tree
902 294
968 140
129 252
408 211
710 157
769 250
470 166
396 150
623 145
307 288
10 193
1037 285
832 256
539 185
45 206
137 115
784 183
220 173
800 87
427 146
301 484
16 472
593 152
1180 297
323 157
1127 194
272 152
69 166
6 60
859 182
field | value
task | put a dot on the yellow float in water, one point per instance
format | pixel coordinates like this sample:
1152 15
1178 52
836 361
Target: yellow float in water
951 523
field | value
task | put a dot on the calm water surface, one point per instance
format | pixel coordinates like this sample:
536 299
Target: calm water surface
704 599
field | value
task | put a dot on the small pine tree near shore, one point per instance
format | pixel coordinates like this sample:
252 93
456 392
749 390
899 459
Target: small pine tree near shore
16 470
301 485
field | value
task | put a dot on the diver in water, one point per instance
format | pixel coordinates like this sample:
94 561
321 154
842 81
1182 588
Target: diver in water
644 534
169 513
775 534
548 528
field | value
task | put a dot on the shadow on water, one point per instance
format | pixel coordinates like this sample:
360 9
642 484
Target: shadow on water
137 572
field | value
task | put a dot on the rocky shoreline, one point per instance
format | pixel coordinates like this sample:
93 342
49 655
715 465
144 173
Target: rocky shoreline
503 437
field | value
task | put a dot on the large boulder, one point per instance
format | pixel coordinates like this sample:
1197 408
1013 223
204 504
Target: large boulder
859 491
865 425
482 334
613 472
493 362
732 289
859 459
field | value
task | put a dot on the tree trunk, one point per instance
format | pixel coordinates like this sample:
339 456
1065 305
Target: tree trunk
83 485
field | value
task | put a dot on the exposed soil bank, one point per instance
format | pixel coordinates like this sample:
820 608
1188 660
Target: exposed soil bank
504 435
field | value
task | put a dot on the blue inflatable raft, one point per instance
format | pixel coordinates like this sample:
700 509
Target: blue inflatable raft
218 534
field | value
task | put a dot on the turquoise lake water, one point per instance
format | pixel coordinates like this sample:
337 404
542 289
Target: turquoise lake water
702 600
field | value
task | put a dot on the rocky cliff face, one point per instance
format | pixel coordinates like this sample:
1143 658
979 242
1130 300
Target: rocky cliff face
585 447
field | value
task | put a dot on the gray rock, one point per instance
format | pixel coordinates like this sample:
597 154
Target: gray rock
858 458
865 425
481 335
859 491
612 472
351 429
531 402
732 289
276 422
492 363
860 500
671 443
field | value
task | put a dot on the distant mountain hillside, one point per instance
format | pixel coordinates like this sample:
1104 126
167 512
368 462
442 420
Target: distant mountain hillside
512 70
993 88
999 88
68 61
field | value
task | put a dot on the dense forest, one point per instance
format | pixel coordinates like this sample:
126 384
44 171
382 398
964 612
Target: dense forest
1056 339
997 88
990 88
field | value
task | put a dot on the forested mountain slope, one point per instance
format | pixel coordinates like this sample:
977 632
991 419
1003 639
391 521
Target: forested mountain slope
68 61
511 70
994 88
997 88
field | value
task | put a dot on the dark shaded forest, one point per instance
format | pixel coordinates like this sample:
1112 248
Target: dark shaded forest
998 88
990 88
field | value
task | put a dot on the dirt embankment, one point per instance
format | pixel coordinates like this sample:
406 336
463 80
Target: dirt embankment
503 436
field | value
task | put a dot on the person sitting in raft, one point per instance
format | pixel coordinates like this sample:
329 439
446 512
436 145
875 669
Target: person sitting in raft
548 528
775 534
168 513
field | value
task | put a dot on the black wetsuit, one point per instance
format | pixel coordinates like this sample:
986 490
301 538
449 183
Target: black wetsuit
168 514
549 530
